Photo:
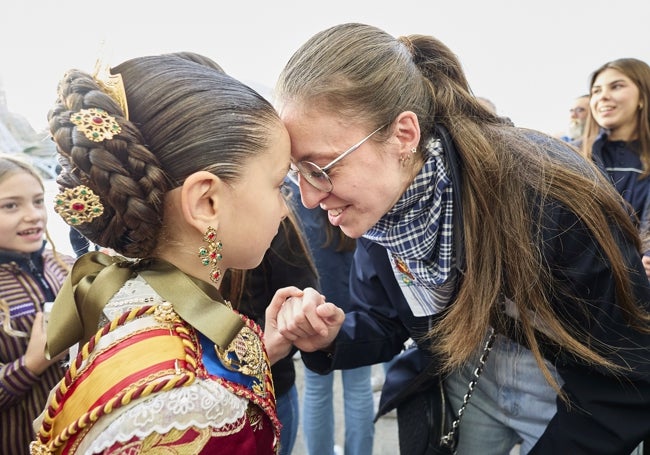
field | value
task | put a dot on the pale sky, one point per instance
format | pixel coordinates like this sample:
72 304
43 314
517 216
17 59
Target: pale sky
531 58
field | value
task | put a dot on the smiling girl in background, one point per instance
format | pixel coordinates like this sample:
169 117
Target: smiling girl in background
29 276
617 136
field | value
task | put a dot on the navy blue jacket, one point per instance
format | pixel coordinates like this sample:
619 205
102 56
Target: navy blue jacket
606 410
623 166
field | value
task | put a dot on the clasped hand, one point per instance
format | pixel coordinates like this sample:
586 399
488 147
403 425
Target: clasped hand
300 318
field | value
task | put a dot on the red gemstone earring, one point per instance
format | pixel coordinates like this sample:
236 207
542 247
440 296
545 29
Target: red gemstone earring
210 255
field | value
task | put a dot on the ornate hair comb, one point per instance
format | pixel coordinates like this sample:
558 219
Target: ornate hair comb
78 205
96 124
112 85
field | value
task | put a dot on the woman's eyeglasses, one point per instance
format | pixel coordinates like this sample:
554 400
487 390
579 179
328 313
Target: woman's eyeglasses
317 176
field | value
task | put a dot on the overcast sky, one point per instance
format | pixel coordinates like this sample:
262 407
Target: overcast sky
531 58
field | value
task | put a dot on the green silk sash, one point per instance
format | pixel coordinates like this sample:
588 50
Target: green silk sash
96 277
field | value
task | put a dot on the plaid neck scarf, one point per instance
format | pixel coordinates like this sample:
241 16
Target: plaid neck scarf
417 231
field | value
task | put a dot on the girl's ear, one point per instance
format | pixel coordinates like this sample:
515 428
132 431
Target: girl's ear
407 131
200 196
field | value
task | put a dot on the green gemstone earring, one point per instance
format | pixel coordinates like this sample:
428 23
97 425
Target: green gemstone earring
211 255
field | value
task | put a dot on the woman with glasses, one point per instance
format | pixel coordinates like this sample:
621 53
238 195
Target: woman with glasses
467 224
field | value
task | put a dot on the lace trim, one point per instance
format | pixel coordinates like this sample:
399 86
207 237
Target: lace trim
200 405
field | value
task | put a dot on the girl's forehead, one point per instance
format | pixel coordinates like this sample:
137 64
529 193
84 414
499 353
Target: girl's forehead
21 181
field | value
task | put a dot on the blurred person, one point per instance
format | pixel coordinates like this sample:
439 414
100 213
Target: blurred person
487 104
332 251
617 136
468 227
31 274
288 262
578 113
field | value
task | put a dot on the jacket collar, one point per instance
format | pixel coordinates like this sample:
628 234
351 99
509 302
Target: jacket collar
23 259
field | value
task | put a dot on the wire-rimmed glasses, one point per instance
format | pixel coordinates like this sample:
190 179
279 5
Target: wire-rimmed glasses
317 176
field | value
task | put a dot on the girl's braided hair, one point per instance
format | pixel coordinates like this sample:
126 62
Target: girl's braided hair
184 115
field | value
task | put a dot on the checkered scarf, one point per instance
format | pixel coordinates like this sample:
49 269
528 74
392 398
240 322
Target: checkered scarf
418 229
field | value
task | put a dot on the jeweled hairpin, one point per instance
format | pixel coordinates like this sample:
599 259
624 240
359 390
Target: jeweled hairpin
96 124
78 205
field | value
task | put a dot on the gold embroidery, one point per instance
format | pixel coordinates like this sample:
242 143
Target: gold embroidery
245 355
255 417
230 428
165 313
38 448
193 440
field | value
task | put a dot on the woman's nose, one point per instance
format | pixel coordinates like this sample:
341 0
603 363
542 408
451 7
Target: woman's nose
310 195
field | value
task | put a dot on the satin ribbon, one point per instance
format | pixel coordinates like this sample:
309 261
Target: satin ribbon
96 277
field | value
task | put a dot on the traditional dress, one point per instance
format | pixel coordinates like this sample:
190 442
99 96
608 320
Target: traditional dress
161 375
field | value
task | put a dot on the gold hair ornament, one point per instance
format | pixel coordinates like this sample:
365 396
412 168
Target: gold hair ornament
96 124
112 85
78 205
211 255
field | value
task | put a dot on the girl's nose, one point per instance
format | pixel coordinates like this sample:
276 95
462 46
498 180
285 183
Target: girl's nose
33 213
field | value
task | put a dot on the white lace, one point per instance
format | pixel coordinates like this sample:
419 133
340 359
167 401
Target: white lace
200 405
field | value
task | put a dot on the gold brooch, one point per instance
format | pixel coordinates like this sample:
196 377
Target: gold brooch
78 205
245 354
96 124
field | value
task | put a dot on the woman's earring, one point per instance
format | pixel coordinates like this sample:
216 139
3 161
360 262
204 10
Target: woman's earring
414 150
211 255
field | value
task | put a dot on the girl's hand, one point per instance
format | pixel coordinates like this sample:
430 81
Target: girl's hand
309 321
34 356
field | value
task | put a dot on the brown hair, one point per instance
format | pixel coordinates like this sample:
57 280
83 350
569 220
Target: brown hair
184 115
361 72
639 73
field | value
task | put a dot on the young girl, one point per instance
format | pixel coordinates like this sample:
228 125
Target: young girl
178 167
617 136
29 276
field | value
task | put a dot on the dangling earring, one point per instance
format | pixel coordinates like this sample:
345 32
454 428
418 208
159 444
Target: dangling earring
210 255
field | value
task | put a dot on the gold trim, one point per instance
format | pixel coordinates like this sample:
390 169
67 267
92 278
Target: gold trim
78 205
96 124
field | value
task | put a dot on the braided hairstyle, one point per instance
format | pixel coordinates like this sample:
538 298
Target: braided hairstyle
184 115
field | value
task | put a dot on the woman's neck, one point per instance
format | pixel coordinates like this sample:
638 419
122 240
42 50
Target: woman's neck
626 133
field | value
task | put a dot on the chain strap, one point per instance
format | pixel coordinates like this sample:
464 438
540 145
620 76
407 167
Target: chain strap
449 440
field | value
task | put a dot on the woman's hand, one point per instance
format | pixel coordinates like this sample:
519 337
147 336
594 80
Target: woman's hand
307 320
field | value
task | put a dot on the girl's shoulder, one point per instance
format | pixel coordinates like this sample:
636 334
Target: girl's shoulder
50 255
